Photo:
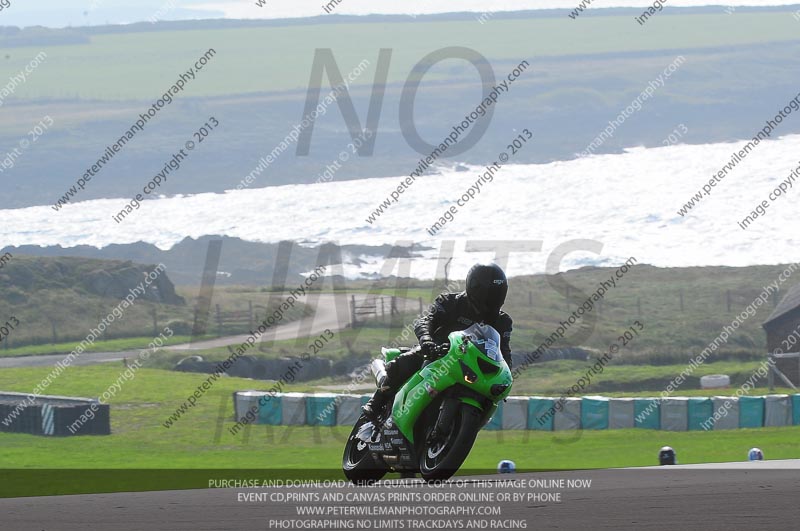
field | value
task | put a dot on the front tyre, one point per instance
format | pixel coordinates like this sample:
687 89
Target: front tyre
439 459
357 462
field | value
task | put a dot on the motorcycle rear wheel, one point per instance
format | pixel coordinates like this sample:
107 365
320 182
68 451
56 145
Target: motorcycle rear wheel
357 463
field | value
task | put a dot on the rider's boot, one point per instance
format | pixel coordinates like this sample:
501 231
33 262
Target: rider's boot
397 371
375 405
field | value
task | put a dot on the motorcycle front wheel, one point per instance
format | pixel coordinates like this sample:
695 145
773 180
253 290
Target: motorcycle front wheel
440 458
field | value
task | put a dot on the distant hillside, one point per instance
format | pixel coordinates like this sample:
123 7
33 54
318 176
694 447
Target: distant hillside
53 300
64 298
682 309
24 277
241 262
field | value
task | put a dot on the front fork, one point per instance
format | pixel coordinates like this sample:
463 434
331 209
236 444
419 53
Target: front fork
448 409
445 420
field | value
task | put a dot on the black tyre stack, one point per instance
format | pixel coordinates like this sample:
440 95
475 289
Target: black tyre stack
53 415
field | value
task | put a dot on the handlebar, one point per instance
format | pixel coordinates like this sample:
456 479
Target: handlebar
441 350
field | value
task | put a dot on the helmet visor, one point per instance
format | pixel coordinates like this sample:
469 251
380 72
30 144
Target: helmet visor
495 297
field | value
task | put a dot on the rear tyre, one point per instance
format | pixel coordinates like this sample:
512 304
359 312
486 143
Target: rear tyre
357 462
441 458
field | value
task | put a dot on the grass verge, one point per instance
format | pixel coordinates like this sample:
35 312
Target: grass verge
141 454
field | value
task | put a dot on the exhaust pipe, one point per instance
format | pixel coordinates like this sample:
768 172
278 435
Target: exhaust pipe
378 367
391 459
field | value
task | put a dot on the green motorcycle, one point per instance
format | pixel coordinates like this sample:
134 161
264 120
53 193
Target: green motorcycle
436 415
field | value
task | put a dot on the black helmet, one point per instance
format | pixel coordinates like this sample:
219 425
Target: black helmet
666 456
486 289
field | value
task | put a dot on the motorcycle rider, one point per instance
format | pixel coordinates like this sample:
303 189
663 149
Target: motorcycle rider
485 294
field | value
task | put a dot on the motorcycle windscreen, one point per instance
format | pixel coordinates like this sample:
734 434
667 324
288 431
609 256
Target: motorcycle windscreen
486 339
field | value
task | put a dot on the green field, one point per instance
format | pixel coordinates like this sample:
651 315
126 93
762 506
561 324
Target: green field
550 378
200 440
119 66
112 345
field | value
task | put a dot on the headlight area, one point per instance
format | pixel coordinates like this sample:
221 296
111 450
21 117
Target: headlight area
469 375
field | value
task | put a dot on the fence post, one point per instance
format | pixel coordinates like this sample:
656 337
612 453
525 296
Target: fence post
353 319
53 328
420 305
383 311
771 374
680 294
219 319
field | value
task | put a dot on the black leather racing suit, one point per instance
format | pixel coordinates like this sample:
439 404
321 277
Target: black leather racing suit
450 312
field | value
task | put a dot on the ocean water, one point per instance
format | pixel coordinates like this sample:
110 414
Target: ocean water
618 206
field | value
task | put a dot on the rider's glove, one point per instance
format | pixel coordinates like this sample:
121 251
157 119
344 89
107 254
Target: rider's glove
430 350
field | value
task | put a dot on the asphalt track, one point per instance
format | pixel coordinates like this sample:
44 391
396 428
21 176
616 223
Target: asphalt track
720 497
